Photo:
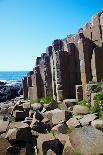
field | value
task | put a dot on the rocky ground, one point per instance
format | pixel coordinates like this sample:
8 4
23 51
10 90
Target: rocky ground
8 92
49 129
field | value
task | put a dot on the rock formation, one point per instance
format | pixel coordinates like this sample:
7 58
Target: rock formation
72 61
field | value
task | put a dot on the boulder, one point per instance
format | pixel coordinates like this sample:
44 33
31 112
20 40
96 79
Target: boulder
17 125
13 150
49 114
18 107
19 115
60 128
37 106
97 124
53 105
37 115
26 105
87 119
68 149
61 137
41 127
3 126
61 116
4 144
87 140
47 144
31 113
70 102
22 133
79 109
72 123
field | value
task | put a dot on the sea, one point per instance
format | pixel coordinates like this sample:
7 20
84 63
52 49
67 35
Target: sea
12 77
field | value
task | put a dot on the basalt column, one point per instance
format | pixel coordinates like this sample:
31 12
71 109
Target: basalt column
45 71
73 69
97 64
101 26
25 88
85 47
48 76
60 74
39 82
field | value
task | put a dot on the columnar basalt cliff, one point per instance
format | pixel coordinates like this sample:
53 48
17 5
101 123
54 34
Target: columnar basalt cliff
68 65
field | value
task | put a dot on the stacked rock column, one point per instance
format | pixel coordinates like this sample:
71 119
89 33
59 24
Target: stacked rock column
57 83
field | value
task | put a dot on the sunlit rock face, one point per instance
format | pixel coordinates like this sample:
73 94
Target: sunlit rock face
72 61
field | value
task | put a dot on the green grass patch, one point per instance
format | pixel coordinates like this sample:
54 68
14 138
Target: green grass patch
95 108
53 132
68 131
101 114
43 100
83 102
76 153
99 97
46 100
35 101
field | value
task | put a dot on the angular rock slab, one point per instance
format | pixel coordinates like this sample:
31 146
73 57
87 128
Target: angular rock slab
72 123
60 128
48 145
78 109
97 124
37 106
87 119
19 115
62 138
68 149
4 144
87 141
3 126
22 133
61 116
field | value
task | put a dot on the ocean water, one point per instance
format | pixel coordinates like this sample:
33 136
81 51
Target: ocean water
12 77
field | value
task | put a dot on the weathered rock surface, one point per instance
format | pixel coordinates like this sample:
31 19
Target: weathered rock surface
50 113
48 145
37 106
87 141
68 149
72 123
60 128
19 115
3 126
10 92
97 124
62 138
61 116
21 133
4 144
87 119
78 109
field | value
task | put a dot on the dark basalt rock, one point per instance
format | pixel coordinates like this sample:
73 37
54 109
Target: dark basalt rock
9 92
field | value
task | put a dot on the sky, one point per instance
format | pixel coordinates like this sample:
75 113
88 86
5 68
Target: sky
27 27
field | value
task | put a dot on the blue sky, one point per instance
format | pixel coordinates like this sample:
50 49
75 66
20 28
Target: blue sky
27 27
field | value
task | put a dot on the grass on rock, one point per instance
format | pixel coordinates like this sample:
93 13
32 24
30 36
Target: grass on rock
82 102
44 100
